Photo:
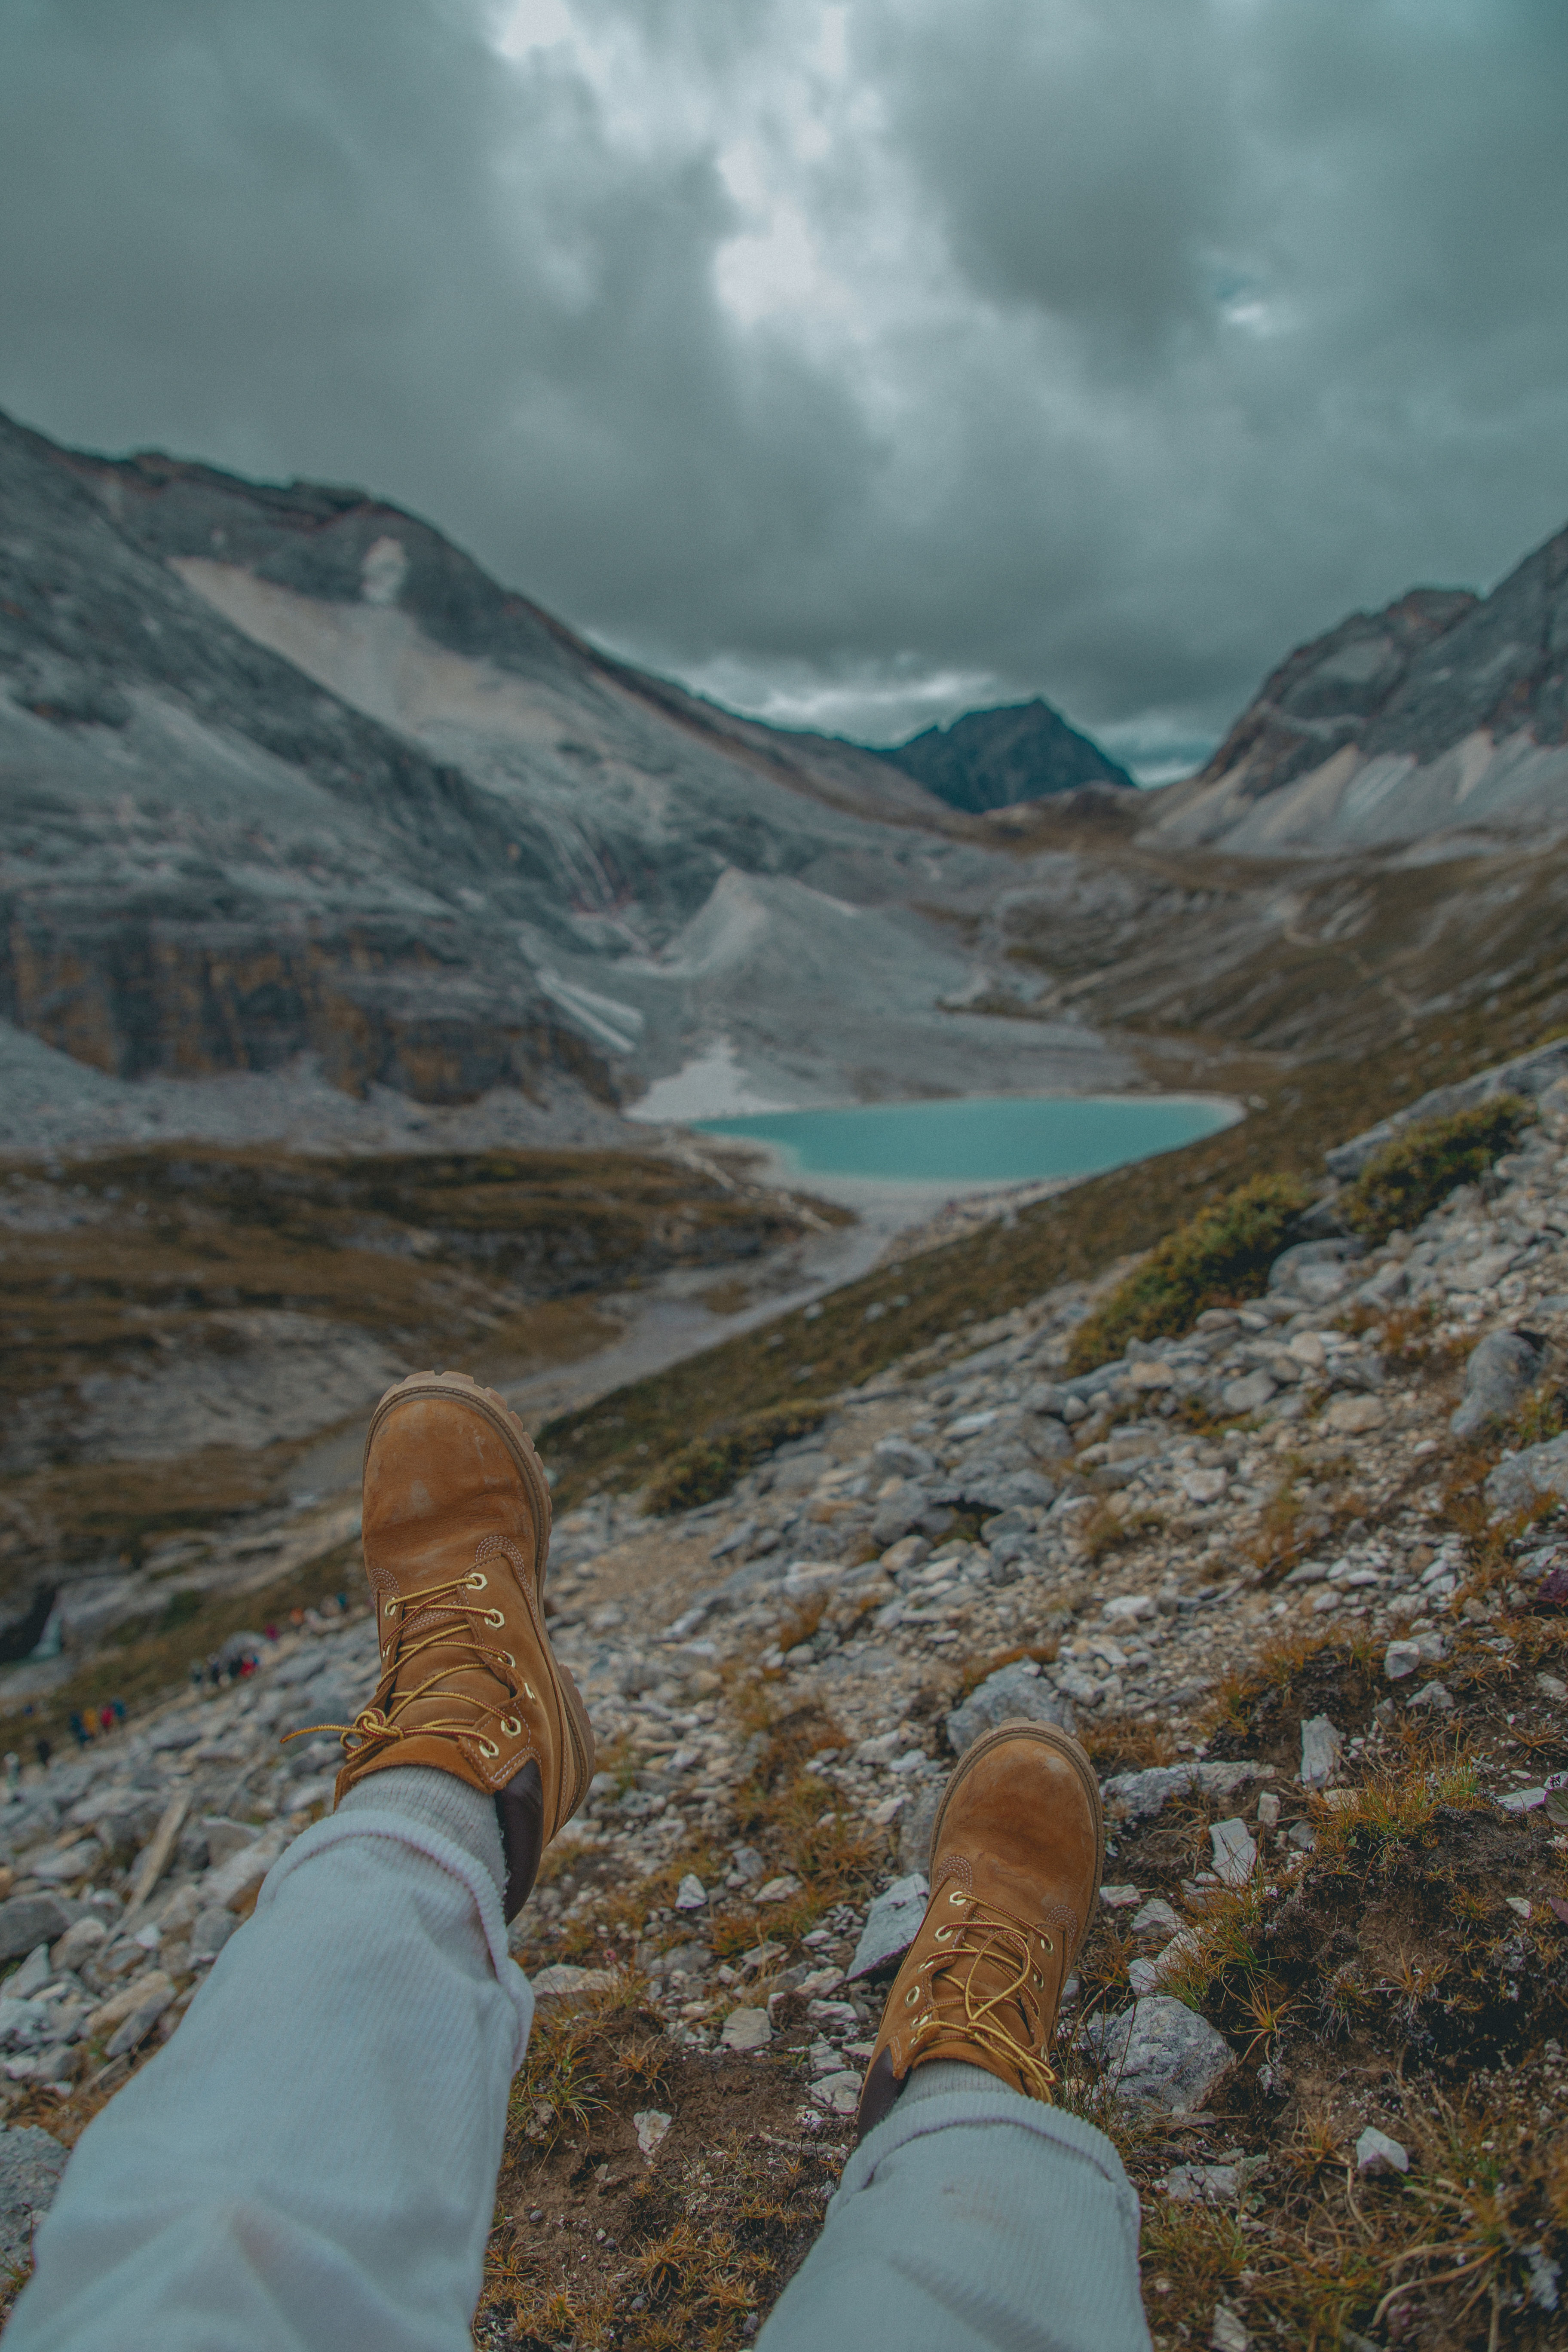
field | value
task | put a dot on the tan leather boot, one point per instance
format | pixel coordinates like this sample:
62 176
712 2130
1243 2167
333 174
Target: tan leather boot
457 1527
1016 1851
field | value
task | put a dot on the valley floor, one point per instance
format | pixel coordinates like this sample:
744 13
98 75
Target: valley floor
1318 1647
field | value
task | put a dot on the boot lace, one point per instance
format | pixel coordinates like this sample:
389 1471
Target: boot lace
983 1981
440 1617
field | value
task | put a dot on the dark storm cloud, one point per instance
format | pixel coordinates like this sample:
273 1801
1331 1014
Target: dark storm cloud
857 362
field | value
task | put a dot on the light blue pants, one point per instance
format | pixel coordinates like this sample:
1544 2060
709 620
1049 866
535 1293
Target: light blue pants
310 2164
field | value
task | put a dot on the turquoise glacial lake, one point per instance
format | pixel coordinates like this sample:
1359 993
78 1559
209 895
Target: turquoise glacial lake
995 1139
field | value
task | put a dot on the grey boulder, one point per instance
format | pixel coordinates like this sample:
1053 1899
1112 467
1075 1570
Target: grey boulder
1516 1483
28 1920
31 2163
1138 1796
891 1925
1011 1691
1159 2054
1498 1374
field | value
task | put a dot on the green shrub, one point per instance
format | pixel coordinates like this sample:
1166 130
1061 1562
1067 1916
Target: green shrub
703 1471
1222 1255
1421 1165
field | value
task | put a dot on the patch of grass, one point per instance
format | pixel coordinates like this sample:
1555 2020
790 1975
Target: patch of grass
1420 1165
1543 1414
1124 1743
1101 1530
580 2054
1218 1258
708 1468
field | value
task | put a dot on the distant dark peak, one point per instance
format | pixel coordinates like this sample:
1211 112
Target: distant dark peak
993 759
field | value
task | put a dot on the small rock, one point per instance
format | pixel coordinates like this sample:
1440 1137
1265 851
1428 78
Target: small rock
1518 1478
33 1973
1159 2054
1155 1918
839 2093
243 1870
209 1933
1126 1608
1436 1698
1267 1811
1355 1416
1249 1393
903 1456
1228 2333
1235 1854
1138 1796
1322 1751
1015 1691
747 2029
651 2124
915 1827
1400 1660
130 2034
1120 1899
1499 1371
690 1895
1203 1485
153 1984
560 1978
778 1890
1375 2152
891 1925
225 1837
1203 2184
76 1943
27 1920
31 2163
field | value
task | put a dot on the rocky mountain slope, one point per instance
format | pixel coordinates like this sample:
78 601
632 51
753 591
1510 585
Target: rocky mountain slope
1299 1574
286 775
1446 711
305 820
993 759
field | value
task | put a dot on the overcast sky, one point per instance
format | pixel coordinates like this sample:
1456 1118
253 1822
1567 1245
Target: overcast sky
857 363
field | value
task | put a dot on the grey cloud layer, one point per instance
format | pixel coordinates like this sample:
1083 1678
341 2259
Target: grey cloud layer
1132 338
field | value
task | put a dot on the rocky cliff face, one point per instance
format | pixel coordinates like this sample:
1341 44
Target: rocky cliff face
286 774
1444 710
995 759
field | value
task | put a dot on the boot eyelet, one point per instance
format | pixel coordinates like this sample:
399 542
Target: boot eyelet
956 1898
507 1660
478 1583
943 1934
1048 1945
494 1617
512 1726
488 1748
1038 1977
911 1997
528 1692
391 1608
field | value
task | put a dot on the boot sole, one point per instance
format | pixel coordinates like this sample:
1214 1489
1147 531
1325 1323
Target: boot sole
1049 1735
460 1388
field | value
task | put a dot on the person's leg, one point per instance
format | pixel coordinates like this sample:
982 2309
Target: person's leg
971 2216
312 2160
311 2166
973 2211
